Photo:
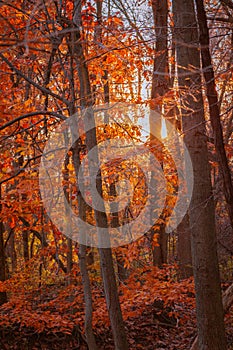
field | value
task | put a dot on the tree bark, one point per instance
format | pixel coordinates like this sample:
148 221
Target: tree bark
66 188
184 255
210 322
87 297
214 110
106 260
82 207
13 254
227 302
25 246
184 248
122 272
160 85
3 296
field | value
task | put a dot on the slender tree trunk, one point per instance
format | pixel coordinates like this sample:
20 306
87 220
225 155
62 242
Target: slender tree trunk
214 110
160 85
87 297
31 249
3 296
69 257
115 222
209 307
13 252
25 246
82 207
122 272
106 260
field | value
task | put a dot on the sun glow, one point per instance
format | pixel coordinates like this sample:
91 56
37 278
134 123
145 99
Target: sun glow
163 129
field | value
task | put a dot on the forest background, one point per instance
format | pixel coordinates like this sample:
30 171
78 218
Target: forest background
68 57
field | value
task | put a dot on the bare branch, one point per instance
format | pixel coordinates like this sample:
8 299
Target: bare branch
32 114
32 82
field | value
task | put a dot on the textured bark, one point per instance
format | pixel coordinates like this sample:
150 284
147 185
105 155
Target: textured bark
214 110
69 255
184 255
122 272
25 246
160 85
160 79
159 253
87 297
184 248
12 250
106 261
83 261
66 188
209 307
227 302
3 296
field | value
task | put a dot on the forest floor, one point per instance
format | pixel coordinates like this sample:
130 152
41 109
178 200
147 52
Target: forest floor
158 310
143 332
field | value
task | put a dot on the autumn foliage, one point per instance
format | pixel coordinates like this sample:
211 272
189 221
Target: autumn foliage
44 45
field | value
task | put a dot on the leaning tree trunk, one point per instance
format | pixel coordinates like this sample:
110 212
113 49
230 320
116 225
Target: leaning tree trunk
214 110
115 223
106 261
83 210
210 322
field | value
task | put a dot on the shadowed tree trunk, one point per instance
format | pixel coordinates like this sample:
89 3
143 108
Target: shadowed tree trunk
3 296
184 255
106 261
214 110
210 322
12 250
227 300
184 248
25 246
160 85
122 272
82 207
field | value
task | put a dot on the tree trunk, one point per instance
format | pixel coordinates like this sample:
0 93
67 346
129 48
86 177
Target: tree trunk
106 260
227 302
122 272
69 255
184 248
209 307
82 207
160 85
66 189
25 246
3 296
13 254
87 297
214 110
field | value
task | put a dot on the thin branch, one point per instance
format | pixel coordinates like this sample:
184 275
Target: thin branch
32 82
32 114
